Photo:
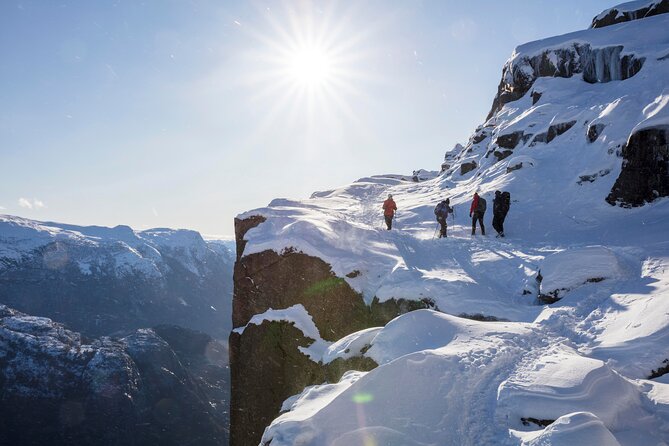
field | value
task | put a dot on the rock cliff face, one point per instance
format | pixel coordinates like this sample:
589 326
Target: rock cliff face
161 386
266 361
645 173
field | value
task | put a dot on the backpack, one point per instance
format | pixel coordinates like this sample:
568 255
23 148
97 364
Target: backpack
481 206
506 202
441 210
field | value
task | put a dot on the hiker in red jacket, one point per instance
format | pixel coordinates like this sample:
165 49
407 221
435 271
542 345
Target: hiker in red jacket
476 212
389 208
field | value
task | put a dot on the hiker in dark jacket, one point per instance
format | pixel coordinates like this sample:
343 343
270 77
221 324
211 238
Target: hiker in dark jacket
441 212
477 211
500 207
389 208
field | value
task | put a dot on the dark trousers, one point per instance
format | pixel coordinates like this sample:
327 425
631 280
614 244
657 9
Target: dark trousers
389 221
498 223
477 216
442 223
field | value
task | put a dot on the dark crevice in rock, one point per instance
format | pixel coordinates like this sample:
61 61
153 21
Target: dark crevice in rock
594 130
503 154
554 131
536 96
529 420
592 177
660 371
481 317
645 174
510 169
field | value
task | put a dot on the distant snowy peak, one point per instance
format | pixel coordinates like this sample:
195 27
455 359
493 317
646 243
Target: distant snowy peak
629 11
96 248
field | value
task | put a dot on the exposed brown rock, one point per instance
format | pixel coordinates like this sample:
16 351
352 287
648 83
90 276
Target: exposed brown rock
509 140
467 167
269 280
242 227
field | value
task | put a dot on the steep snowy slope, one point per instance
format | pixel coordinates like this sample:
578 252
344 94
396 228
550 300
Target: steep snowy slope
99 280
578 135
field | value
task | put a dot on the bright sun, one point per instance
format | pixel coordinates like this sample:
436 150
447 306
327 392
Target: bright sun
307 64
310 66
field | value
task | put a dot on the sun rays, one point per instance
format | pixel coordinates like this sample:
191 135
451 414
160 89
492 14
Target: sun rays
308 66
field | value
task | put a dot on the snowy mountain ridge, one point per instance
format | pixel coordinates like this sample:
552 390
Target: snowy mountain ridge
578 135
129 251
99 280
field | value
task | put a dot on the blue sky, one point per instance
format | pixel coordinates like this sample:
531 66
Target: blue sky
183 113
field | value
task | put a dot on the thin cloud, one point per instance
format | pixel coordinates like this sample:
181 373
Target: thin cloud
31 204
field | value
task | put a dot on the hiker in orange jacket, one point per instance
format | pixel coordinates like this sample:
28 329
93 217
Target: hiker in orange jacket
389 208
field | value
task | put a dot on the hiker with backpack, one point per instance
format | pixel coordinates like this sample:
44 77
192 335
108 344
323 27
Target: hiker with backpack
500 207
476 212
389 208
441 211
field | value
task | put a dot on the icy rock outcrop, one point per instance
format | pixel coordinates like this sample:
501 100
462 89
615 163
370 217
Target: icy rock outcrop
60 389
597 65
645 173
630 11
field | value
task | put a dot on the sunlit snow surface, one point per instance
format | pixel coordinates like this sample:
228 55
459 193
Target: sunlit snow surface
583 361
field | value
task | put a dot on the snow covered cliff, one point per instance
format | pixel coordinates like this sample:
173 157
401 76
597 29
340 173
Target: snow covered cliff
578 135
99 280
